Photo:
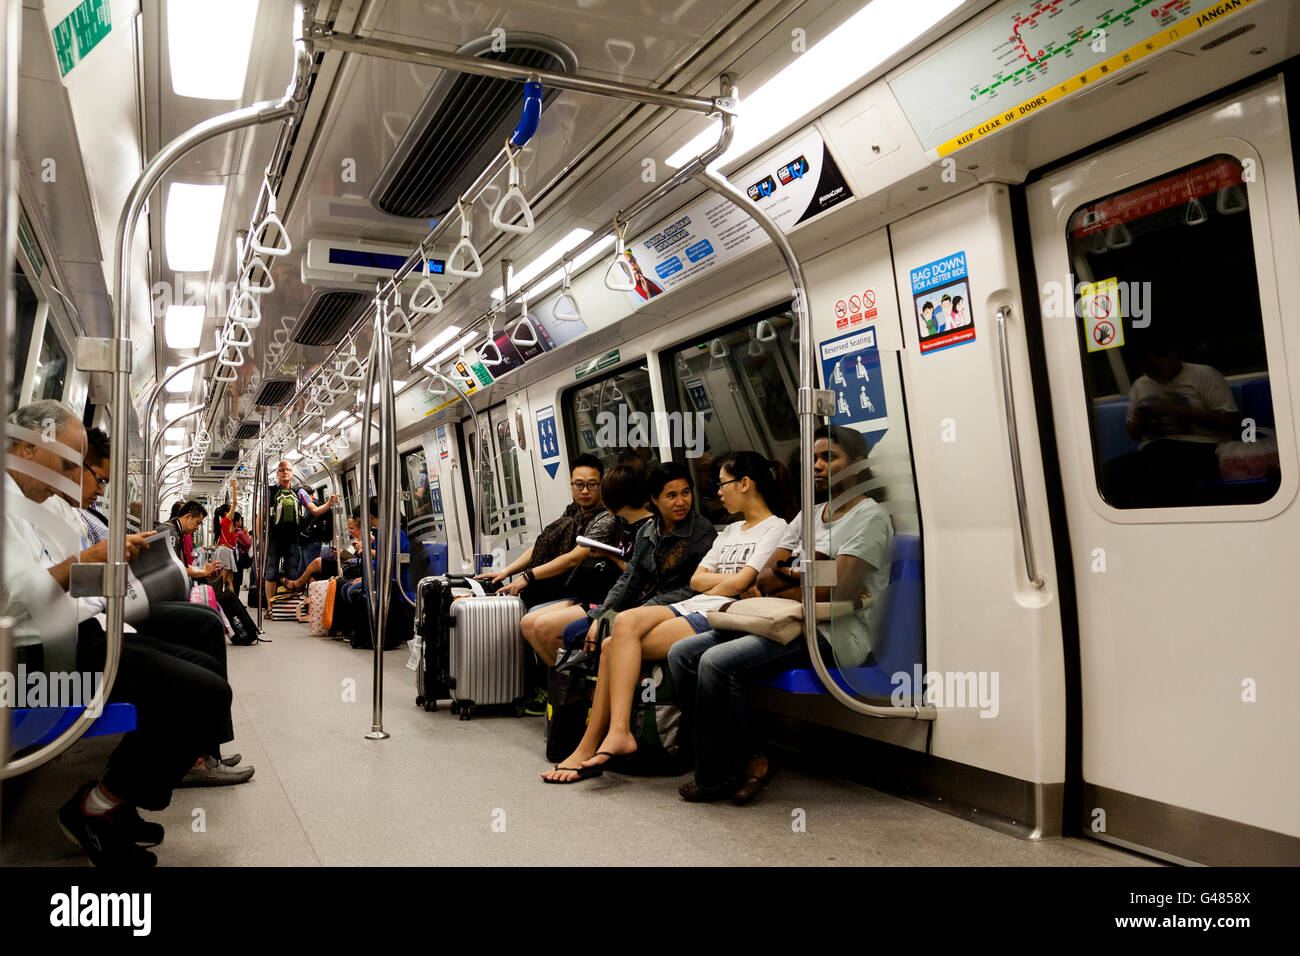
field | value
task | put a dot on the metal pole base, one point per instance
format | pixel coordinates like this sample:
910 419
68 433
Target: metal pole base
377 733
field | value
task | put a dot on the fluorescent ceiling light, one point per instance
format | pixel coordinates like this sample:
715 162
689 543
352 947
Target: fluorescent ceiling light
174 434
292 456
336 419
183 326
208 47
850 52
183 382
311 438
424 351
547 259
456 347
170 450
191 222
172 409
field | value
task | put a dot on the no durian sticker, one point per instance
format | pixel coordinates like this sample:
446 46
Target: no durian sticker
1103 324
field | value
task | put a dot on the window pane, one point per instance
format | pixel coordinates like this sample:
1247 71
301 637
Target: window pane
25 304
613 419
737 390
51 368
1181 411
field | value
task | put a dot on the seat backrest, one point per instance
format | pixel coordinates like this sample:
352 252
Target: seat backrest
898 619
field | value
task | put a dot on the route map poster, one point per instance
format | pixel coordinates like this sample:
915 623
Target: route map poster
941 293
1028 54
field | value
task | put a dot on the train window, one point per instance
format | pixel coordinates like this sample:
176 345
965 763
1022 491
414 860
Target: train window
1181 412
51 367
611 417
26 305
736 388
507 470
350 491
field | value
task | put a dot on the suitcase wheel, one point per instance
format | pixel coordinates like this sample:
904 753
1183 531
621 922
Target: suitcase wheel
466 709
455 707
430 706
519 706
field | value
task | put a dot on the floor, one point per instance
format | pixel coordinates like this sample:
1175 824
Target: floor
445 791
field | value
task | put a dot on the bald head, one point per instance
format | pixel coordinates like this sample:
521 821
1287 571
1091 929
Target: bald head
284 473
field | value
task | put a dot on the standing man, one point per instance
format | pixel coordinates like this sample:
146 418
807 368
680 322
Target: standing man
285 519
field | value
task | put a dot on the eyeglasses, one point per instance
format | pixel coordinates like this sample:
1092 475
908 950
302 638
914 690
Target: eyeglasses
728 481
100 480
584 485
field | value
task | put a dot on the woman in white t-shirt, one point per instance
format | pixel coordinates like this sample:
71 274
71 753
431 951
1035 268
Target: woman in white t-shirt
748 485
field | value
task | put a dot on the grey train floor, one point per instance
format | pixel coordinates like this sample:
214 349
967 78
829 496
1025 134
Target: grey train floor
448 792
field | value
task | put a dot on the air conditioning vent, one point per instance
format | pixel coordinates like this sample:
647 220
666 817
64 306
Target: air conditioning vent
464 120
328 315
231 455
247 430
275 392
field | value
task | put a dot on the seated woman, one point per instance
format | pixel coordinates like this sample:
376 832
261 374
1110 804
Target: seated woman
666 548
749 485
711 671
327 564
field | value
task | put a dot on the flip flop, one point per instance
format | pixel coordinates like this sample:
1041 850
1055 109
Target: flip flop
584 773
614 762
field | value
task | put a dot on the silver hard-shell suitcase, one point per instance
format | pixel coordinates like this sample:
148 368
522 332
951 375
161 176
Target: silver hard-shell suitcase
486 659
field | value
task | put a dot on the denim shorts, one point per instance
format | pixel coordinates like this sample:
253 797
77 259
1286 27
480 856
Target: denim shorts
699 623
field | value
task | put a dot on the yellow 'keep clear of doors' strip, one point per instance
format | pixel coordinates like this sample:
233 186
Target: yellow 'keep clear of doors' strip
1211 17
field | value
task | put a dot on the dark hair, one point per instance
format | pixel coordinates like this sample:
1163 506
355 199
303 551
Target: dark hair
927 305
946 298
373 509
192 508
769 477
176 509
624 487
587 460
97 447
236 518
851 440
661 475
956 299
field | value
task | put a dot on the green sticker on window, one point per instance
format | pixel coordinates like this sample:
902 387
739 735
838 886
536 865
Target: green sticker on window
596 364
79 33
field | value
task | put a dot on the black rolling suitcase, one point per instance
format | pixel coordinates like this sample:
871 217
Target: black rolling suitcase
241 623
433 636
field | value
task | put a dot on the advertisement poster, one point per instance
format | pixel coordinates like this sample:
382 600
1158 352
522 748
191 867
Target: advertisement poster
435 493
552 332
851 369
699 394
941 294
444 444
792 185
548 440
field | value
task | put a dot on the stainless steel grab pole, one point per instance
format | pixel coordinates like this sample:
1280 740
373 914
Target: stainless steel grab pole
386 537
1013 439
260 521
9 11
149 502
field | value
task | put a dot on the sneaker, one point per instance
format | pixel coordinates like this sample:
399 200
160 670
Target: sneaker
215 774
142 831
232 760
103 836
537 706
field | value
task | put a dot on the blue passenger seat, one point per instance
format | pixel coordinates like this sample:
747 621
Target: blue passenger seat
40 725
435 553
897 633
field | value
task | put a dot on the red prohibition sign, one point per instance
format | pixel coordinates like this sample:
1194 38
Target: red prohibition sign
1103 332
1100 306
869 298
841 309
855 304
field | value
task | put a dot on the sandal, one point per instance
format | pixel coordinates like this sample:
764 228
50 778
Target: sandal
749 789
584 773
613 762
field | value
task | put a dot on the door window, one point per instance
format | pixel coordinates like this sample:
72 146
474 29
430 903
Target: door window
1170 332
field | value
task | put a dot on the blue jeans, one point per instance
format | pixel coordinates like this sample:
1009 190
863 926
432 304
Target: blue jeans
711 677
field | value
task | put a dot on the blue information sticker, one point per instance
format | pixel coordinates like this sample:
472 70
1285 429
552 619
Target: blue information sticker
851 369
548 440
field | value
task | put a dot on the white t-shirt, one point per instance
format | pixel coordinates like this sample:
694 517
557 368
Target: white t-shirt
35 539
735 548
1198 387
864 532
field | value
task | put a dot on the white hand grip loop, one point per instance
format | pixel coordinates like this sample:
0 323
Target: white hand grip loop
516 195
262 286
474 265
766 331
619 277
522 325
271 228
397 324
566 308
246 310
482 354
352 370
230 335
425 300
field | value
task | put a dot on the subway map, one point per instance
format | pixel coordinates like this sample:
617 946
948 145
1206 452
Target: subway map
1034 47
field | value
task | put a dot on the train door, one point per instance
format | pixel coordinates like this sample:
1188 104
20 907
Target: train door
1166 266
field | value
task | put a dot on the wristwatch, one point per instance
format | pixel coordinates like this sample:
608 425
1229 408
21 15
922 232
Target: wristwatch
529 576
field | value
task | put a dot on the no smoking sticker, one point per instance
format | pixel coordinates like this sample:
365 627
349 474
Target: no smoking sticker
1102 314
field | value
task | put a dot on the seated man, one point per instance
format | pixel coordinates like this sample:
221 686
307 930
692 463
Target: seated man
354 606
711 671
187 521
1180 412
181 703
544 567
327 565
285 521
